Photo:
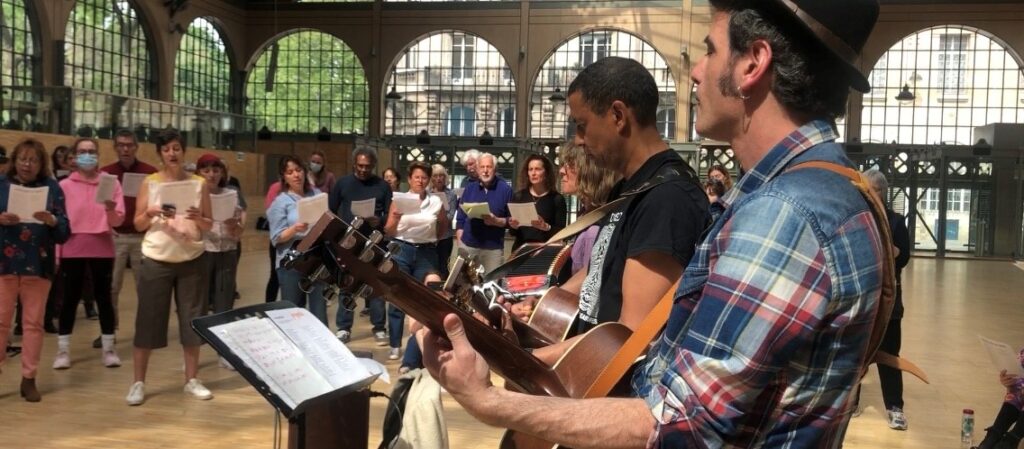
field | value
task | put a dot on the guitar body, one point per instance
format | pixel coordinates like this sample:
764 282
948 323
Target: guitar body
555 313
580 368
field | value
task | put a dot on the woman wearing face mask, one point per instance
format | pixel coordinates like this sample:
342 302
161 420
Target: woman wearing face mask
319 176
91 247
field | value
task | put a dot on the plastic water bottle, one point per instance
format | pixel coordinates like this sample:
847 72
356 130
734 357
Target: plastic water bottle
967 429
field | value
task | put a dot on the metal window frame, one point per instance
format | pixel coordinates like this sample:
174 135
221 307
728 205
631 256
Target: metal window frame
88 47
205 87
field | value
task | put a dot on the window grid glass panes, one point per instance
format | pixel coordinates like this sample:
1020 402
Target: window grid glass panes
450 83
17 47
202 75
549 119
105 49
308 80
961 78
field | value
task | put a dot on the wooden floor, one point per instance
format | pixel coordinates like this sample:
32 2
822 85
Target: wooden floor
949 302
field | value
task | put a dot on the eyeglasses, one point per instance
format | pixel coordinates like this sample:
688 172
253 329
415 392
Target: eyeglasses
32 161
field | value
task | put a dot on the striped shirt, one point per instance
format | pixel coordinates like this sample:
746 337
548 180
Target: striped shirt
773 314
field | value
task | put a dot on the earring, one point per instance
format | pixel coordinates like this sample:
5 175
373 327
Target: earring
742 95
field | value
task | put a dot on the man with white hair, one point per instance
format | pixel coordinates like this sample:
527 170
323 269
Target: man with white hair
484 238
469 159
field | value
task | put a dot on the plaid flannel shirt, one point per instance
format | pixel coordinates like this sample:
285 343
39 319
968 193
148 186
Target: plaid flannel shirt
772 316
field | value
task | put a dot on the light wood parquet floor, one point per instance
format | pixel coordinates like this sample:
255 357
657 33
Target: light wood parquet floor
949 302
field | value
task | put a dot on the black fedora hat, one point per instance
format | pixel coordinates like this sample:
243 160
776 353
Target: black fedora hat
842 26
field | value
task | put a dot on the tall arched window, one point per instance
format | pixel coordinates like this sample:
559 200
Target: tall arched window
105 49
17 49
202 72
444 73
957 77
549 111
308 80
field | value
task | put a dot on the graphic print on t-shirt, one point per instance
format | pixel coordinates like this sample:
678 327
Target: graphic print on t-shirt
590 291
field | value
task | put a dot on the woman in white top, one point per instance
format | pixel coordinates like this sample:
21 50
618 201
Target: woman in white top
417 234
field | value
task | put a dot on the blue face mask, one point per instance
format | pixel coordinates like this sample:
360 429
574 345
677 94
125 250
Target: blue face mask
87 161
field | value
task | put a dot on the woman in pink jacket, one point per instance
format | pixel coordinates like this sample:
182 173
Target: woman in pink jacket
91 247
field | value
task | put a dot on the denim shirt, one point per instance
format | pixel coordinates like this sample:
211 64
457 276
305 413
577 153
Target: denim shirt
283 213
772 316
28 248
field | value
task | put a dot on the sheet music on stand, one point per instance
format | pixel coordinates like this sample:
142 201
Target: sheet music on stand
288 355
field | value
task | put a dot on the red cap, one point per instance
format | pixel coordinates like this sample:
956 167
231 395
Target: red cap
209 159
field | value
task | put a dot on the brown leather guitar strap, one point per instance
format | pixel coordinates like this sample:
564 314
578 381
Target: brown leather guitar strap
888 297
634 346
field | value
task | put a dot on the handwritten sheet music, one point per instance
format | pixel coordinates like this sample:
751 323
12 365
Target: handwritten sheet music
131 182
364 208
279 359
1003 356
406 203
224 205
223 331
329 356
25 201
105 188
312 208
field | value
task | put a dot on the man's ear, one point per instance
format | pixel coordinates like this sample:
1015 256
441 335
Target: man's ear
755 65
619 113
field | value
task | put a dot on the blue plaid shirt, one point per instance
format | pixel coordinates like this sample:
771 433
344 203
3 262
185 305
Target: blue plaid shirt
772 316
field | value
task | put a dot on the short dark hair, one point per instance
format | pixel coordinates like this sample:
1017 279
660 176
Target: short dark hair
614 78
549 172
167 136
418 166
806 75
59 151
125 132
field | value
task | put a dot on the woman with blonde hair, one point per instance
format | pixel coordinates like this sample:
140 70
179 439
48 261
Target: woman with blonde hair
591 184
28 256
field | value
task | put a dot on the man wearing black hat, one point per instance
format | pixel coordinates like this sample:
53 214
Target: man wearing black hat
770 325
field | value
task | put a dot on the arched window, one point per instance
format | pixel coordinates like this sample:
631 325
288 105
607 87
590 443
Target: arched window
445 73
667 123
17 49
202 72
308 80
507 127
106 49
549 111
956 78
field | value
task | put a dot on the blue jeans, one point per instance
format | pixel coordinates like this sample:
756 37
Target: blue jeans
290 291
413 357
344 317
418 262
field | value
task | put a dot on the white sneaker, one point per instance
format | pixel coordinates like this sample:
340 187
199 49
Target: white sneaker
344 336
897 419
394 353
224 364
62 361
195 388
381 338
111 360
136 394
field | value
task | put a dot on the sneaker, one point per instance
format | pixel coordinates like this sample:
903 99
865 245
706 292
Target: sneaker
136 394
394 353
62 361
897 420
195 388
111 360
381 338
224 364
344 336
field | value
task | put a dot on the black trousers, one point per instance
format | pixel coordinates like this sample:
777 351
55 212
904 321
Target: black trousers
272 285
73 272
891 378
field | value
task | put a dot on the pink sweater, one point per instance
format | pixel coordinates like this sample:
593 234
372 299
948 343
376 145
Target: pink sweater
91 224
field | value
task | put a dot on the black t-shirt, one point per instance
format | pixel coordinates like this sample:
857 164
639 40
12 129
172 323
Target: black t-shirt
668 218
551 207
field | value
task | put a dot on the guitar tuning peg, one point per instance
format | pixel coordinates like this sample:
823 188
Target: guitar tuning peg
386 263
357 222
371 242
348 239
394 248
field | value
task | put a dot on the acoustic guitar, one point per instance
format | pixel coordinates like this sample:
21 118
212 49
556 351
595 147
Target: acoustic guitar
337 253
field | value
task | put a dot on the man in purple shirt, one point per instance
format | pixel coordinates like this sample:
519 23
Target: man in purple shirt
127 241
769 328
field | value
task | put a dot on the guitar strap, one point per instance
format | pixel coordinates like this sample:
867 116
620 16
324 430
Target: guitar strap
888 297
634 346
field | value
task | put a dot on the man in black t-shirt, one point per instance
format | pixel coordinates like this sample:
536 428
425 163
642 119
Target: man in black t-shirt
645 242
